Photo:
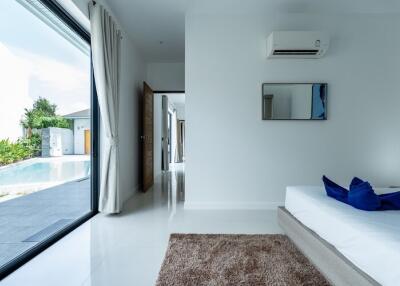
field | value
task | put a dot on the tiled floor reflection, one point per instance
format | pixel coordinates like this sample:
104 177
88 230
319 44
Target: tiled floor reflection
128 249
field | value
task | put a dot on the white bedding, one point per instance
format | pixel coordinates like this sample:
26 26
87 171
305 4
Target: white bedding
371 240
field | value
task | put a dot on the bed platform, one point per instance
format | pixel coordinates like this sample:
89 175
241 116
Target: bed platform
332 264
349 246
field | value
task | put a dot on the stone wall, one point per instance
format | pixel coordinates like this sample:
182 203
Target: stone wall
57 142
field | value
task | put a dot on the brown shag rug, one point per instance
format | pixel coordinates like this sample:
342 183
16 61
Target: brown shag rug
214 259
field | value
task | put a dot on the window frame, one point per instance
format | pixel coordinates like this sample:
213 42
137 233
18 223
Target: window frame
20 260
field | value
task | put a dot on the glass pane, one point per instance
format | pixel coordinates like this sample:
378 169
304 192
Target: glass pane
44 127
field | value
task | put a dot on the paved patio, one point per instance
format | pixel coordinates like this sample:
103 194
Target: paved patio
25 221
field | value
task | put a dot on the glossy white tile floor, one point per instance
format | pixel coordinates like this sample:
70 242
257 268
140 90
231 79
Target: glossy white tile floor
128 249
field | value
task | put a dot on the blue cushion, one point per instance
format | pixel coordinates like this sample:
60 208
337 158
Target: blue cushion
335 191
390 201
356 181
363 197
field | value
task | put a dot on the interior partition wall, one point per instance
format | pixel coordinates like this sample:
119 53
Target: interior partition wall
55 17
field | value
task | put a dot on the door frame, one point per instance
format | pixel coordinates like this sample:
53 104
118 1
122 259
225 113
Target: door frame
20 260
169 140
144 141
168 91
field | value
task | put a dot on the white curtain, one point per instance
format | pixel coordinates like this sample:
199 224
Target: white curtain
105 42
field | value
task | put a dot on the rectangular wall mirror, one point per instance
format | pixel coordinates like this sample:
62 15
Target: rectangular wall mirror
294 101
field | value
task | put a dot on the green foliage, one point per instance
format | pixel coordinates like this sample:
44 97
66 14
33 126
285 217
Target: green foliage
12 152
43 115
53 121
33 144
44 106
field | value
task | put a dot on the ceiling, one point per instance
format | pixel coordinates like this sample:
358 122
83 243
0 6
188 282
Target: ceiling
178 99
158 26
295 6
150 22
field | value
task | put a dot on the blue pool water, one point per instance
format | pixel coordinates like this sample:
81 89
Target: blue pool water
38 172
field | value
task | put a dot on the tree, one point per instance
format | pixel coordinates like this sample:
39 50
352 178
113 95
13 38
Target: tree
43 105
43 115
30 120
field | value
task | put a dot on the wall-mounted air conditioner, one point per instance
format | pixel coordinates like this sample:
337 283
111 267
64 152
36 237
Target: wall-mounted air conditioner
297 44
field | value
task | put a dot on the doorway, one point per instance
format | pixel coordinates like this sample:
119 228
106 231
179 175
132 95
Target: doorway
169 131
163 135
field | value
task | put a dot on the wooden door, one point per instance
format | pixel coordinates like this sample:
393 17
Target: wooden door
87 141
147 138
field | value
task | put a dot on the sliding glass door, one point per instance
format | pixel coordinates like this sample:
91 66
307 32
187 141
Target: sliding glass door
48 126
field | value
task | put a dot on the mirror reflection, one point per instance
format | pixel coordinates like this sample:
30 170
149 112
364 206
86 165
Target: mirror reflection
294 101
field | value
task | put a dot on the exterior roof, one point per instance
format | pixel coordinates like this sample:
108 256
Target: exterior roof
79 114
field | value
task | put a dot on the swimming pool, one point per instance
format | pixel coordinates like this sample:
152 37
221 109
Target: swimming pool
41 173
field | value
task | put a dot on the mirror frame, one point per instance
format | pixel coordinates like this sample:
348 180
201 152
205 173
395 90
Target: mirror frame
294 119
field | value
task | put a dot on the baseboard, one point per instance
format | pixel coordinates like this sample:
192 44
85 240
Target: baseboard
232 205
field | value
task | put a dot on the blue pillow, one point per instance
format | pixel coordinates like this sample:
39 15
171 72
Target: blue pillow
387 201
362 196
356 181
390 201
335 191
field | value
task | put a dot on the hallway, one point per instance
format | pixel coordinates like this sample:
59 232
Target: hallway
128 249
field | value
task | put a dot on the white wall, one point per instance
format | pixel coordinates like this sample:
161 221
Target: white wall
133 73
67 139
57 142
80 125
236 160
180 111
166 76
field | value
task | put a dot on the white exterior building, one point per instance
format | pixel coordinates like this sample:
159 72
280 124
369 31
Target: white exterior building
57 142
82 131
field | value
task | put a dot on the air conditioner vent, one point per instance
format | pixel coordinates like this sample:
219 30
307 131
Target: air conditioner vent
295 52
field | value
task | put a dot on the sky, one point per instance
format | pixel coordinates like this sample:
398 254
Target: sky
36 61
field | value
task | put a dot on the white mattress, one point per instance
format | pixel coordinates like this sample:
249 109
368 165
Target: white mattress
371 240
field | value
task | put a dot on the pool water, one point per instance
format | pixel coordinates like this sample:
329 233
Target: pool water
38 172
